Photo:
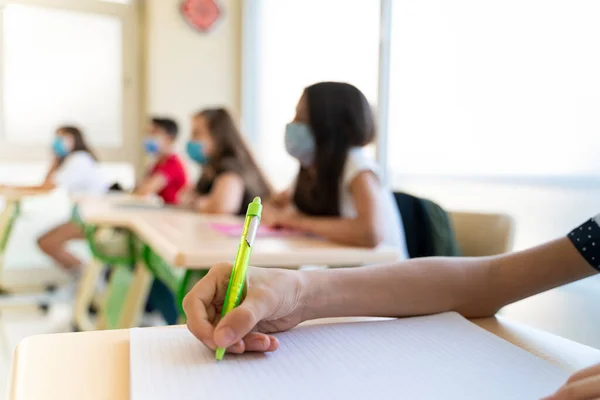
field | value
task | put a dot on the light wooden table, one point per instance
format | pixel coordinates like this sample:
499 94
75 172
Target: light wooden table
34 279
185 239
95 365
16 193
110 211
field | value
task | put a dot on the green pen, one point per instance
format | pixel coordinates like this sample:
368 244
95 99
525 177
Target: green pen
237 280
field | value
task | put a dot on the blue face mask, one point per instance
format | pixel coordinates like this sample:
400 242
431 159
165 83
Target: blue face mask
59 147
300 143
151 146
195 150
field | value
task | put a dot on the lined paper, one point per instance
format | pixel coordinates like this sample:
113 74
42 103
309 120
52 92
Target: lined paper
432 357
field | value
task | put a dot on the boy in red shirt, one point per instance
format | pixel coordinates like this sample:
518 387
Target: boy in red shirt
167 177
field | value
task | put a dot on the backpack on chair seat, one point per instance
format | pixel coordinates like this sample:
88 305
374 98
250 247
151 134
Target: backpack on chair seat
427 227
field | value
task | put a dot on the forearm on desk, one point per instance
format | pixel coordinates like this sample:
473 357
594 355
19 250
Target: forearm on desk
415 287
280 199
46 186
151 185
204 204
516 276
351 232
474 287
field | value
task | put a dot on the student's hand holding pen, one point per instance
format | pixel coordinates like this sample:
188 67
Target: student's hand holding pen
273 303
475 287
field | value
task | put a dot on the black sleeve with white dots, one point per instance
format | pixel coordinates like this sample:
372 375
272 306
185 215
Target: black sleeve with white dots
586 239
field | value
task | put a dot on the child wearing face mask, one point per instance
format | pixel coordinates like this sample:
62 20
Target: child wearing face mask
75 169
338 193
167 177
230 176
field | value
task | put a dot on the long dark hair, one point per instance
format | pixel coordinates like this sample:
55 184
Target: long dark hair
340 118
79 143
232 152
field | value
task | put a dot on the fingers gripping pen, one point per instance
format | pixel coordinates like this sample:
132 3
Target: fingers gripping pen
237 279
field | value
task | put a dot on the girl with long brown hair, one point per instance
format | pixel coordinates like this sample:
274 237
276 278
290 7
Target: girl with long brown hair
230 178
338 193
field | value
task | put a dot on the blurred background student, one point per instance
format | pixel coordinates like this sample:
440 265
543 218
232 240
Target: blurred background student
230 176
76 170
229 180
166 178
167 175
338 193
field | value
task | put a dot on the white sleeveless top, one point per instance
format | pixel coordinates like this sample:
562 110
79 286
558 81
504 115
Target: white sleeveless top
358 161
80 174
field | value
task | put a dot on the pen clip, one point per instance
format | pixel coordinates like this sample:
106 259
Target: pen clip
252 229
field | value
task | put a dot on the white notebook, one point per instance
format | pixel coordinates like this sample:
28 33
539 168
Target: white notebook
441 356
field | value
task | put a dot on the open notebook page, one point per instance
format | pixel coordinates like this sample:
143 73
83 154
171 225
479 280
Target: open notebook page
442 356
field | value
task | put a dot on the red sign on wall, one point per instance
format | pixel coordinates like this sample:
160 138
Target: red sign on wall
201 14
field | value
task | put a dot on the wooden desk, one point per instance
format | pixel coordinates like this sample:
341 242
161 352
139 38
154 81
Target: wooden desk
111 210
184 239
95 365
16 193
104 211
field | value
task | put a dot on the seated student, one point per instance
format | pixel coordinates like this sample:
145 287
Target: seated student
166 179
278 300
75 168
338 193
167 176
230 176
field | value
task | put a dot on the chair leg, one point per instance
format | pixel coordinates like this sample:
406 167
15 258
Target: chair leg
137 296
85 295
7 217
5 343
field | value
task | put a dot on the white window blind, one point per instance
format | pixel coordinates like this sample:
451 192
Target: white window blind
61 67
297 43
495 88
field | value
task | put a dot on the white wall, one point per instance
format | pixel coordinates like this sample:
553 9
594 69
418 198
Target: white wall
187 70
